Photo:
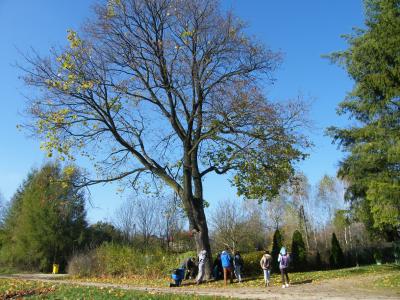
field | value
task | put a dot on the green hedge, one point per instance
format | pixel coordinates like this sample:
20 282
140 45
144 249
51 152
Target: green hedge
252 263
121 260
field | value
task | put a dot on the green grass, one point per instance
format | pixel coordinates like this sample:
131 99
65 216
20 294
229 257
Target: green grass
387 275
16 288
384 276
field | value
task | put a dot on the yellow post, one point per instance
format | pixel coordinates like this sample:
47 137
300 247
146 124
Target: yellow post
55 268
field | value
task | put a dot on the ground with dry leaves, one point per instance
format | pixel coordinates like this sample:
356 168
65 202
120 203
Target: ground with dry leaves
370 282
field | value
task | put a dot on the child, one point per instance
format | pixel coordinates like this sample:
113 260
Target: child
284 261
217 267
227 266
265 264
238 264
202 266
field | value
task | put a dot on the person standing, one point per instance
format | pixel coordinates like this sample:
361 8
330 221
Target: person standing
226 261
238 265
217 268
265 264
284 261
202 266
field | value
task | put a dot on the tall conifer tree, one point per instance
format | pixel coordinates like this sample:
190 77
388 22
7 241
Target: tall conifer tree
372 166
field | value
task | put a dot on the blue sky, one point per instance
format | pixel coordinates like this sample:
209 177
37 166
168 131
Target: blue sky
302 30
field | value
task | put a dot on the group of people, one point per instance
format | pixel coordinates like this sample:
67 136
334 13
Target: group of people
266 266
226 265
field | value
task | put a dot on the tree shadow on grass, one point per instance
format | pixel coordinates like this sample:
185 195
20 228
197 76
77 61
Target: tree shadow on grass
301 282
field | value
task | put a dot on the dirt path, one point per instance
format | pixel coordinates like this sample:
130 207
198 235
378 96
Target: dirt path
337 289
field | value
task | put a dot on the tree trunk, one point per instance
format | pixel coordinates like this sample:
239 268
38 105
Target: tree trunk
304 221
315 239
202 238
350 239
326 238
194 208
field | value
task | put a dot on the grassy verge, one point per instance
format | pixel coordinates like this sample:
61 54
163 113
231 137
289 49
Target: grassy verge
18 289
384 276
387 275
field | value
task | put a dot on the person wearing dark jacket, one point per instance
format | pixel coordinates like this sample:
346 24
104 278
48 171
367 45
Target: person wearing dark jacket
217 267
190 267
238 265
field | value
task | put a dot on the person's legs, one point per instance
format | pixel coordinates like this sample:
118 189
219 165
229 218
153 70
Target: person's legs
238 273
200 275
187 274
225 275
215 273
287 278
283 277
231 274
266 277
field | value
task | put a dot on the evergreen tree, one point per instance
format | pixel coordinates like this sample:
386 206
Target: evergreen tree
336 259
372 166
299 252
276 247
318 261
46 220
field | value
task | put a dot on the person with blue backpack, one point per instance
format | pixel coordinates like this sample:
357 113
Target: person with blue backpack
226 261
284 261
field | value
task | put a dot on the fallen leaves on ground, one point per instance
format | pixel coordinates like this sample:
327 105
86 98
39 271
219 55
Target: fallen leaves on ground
385 276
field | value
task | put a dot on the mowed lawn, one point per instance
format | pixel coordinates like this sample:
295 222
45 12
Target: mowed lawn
385 276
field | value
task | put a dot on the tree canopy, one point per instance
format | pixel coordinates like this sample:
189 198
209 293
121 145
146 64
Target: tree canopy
372 166
168 90
45 221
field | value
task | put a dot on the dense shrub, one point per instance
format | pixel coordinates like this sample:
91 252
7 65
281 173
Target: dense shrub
121 260
252 263
83 264
299 252
182 256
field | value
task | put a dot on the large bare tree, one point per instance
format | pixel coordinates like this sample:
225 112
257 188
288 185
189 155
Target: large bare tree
167 89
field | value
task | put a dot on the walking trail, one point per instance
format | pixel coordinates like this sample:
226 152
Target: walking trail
337 289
